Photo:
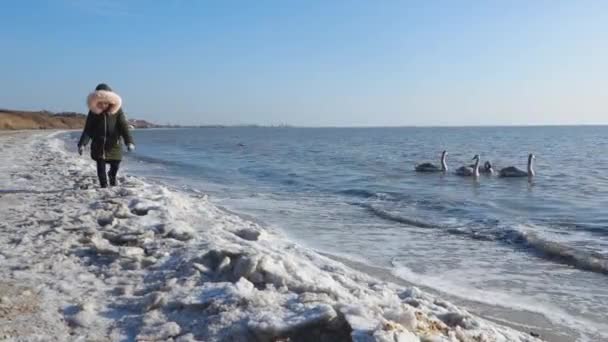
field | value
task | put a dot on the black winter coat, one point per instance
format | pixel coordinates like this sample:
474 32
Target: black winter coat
105 131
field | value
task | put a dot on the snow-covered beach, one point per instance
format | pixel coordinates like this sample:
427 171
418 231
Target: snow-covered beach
142 262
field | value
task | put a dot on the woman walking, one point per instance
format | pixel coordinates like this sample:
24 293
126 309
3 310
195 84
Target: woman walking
105 126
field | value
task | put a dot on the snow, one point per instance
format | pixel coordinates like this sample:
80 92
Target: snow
141 262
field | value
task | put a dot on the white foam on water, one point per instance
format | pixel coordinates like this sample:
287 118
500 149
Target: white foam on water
447 284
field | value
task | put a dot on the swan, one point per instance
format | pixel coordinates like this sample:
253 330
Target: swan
429 167
512 171
487 168
467 171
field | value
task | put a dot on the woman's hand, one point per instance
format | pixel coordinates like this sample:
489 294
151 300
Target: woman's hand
130 147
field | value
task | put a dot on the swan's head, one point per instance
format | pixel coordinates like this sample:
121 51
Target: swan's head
487 165
444 153
531 157
476 157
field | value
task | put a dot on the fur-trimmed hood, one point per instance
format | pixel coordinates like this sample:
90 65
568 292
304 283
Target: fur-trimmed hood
105 96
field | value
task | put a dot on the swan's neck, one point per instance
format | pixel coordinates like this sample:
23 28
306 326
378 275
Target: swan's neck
444 165
530 167
476 168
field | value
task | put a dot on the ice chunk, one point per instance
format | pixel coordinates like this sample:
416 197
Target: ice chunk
249 234
155 301
85 316
161 332
180 231
244 266
402 315
103 246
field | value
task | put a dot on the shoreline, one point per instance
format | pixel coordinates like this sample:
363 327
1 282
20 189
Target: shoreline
139 261
521 320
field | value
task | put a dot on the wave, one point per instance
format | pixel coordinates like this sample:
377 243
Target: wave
558 252
396 218
154 160
388 196
391 196
523 240
359 193
598 229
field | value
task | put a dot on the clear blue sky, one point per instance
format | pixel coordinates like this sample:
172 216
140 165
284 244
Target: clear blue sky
313 63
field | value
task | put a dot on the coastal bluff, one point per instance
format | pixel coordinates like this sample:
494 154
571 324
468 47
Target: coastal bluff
17 120
20 120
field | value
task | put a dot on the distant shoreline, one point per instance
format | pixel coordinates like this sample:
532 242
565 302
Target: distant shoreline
12 120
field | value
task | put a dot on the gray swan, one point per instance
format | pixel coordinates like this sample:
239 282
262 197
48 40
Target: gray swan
429 167
512 171
486 169
467 171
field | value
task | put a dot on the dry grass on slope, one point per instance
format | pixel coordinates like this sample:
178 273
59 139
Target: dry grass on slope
16 120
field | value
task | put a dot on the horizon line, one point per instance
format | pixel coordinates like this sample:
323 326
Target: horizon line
382 126
285 125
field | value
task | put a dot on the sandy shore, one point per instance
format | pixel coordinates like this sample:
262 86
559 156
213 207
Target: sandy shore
141 262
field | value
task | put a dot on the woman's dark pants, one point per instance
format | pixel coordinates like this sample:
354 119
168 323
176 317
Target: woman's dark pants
101 172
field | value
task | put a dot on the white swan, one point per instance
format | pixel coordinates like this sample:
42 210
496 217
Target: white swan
429 167
512 171
467 171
